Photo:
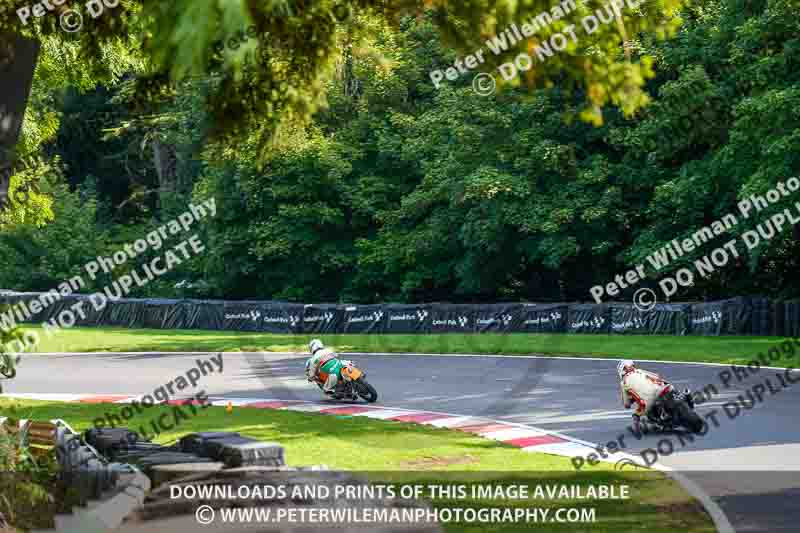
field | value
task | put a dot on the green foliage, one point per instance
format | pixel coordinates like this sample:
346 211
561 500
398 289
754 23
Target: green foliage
276 80
416 194
396 190
42 258
728 131
39 258
28 494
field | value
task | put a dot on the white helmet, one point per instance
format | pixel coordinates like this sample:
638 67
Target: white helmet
315 345
624 367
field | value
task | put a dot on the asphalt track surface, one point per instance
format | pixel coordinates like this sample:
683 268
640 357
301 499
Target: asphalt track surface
749 464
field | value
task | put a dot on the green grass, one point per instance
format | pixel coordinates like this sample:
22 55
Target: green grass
729 350
410 453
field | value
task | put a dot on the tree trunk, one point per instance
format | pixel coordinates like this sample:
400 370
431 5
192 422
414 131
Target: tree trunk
165 160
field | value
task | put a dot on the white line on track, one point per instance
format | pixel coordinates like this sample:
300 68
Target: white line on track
356 354
526 356
537 356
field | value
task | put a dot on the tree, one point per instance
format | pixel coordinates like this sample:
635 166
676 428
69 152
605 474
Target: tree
276 80
725 127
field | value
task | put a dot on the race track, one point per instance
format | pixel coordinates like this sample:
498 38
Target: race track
577 397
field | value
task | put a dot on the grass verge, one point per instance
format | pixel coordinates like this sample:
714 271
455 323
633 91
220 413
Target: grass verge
727 350
409 453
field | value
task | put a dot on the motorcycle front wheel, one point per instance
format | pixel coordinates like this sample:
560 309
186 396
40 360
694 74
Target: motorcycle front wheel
689 418
365 390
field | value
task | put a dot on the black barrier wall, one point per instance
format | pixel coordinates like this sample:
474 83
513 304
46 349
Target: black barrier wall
736 316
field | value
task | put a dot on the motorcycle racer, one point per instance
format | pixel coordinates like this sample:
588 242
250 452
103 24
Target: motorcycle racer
325 365
646 390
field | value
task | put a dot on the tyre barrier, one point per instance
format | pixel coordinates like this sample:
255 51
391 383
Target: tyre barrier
736 316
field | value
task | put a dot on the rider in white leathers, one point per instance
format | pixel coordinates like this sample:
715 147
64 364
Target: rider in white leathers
324 364
646 390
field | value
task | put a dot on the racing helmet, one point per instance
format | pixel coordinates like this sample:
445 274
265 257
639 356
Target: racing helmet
624 367
315 345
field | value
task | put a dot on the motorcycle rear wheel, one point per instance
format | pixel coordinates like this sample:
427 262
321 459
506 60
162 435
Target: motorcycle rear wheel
365 390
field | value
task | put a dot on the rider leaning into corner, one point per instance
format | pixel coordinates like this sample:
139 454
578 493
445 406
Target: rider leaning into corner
647 390
324 364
